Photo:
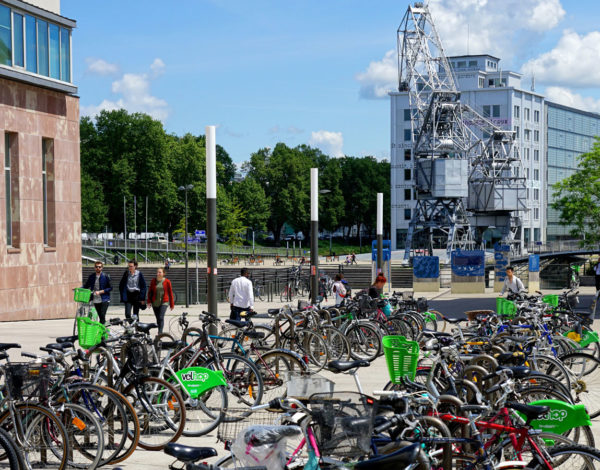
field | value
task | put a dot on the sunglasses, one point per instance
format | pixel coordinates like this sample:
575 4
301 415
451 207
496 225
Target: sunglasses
98 267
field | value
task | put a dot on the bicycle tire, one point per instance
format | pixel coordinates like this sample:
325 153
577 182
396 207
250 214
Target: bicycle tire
86 437
311 346
275 368
365 342
45 428
590 457
9 454
160 410
585 380
133 427
337 343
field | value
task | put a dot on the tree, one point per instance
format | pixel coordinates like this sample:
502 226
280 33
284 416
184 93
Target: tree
577 197
230 219
93 207
250 195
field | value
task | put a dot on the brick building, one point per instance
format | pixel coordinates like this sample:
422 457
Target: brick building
40 206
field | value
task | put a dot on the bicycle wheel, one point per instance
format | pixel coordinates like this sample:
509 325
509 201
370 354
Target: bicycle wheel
244 380
337 344
10 457
585 380
364 341
108 410
43 442
574 457
160 410
86 437
275 369
313 349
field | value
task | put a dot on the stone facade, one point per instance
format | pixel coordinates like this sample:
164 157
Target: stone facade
36 278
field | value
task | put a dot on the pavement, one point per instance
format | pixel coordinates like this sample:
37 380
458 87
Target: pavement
33 334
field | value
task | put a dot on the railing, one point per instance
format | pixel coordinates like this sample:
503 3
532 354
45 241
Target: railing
560 246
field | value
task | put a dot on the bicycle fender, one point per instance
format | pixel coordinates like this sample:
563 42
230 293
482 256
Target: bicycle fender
561 417
197 380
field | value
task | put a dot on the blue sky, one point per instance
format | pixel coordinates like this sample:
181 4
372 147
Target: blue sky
307 71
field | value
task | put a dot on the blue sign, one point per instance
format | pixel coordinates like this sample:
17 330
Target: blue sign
534 263
502 260
386 250
200 233
468 263
426 267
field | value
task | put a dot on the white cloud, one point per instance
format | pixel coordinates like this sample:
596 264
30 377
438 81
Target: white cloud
331 143
568 98
500 28
101 67
157 67
575 61
135 96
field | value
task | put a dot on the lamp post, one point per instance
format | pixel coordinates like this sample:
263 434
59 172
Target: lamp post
379 233
314 234
185 189
211 222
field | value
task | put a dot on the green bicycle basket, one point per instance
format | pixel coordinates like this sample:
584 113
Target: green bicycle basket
401 356
90 332
505 307
82 295
551 299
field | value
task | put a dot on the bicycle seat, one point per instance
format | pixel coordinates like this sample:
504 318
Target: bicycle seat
510 358
397 459
260 435
237 323
530 411
67 339
170 344
343 366
59 347
145 327
273 311
255 334
455 320
189 454
436 334
519 372
7 346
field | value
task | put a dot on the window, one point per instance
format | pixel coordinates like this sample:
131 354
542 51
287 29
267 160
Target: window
526 154
461 63
472 63
536 155
18 40
536 175
536 231
527 197
48 192
54 51
11 188
527 173
536 194
407 174
486 111
516 112
536 116
491 82
517 132
5 36
407 155
481 82
527 114
407 194
407 134
536 216
407 214
65 55
42 45
536 136
496 110
527 134
407 114
30 44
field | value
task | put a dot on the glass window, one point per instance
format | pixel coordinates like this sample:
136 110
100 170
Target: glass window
496 110
7 189
527 115
481 82
536 116
407 214
407 194
30 44
536 175
19 51
486 111
48 192
517 132
472 63
461 63
54 51
407 155
5 36
407 133
536 136
407 174
45 189
516 111
42 42
407 114
527 134
65 55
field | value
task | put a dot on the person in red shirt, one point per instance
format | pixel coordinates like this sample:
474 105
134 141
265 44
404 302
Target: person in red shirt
160 296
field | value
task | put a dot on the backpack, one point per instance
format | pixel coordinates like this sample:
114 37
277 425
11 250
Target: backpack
348 288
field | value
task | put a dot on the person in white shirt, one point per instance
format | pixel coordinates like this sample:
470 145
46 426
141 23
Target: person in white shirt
339 289
241 295
511 282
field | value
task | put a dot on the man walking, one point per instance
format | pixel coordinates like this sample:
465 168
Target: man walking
99 283
512 283
241 295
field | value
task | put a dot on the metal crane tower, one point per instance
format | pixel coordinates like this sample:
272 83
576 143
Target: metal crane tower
440 139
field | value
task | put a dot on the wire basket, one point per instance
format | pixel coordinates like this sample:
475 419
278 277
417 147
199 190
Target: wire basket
82 295
401 357
238 419
302 386
343 423
90 332
26 380
551 299
505 307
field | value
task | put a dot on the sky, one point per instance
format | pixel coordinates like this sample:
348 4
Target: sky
311 72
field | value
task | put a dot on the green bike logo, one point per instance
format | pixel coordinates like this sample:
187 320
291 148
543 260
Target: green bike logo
554 415
193 376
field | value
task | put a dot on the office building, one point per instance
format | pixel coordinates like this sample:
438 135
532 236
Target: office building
40 205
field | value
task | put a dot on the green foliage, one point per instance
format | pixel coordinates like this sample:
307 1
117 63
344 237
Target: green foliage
577 197
230 220
250 195
93 207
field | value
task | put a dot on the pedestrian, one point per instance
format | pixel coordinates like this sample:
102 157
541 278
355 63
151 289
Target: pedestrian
99 283
241 295
597 278
376 288
512 283
353 258
132 289
167 264
339 289
160 296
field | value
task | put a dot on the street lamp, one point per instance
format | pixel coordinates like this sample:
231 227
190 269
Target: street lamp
185 189
327 191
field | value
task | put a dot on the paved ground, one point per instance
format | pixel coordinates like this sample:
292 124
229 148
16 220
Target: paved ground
33 334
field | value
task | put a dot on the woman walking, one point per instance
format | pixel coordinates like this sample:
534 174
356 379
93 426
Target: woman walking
160 296
133 289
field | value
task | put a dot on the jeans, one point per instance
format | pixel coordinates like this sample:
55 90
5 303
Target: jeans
133 302
101 308
235 313
159 313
